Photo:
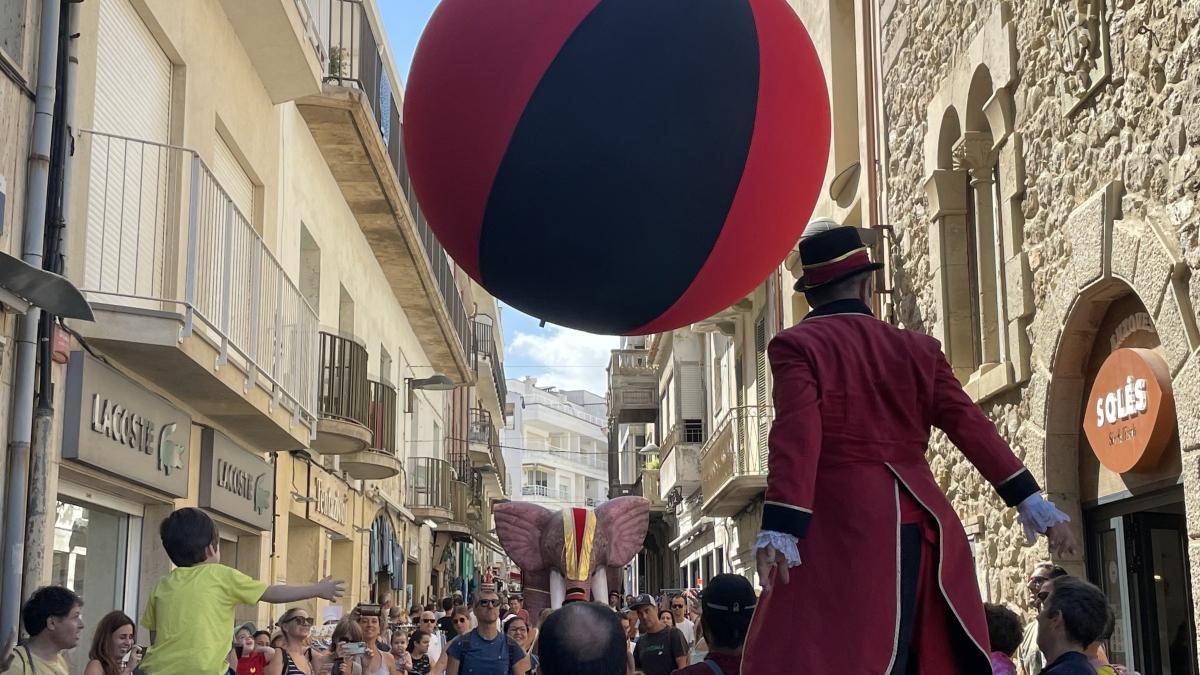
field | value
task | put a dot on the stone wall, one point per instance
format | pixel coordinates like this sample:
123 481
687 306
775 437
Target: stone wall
1081 129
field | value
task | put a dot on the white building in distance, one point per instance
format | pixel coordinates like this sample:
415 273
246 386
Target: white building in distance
556 445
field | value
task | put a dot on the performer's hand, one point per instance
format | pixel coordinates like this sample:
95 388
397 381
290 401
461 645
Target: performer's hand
771 559
1062 540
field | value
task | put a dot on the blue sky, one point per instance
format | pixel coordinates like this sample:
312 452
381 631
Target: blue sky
557 356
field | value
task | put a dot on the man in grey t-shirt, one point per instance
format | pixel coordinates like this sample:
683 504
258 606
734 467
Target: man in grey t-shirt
662 649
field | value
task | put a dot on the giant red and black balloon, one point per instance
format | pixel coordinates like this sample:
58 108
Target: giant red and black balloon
617 166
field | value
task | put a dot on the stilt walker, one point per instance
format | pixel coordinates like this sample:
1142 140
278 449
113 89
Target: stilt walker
865 566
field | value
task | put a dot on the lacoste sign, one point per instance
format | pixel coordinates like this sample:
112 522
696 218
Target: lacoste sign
114 424
234 482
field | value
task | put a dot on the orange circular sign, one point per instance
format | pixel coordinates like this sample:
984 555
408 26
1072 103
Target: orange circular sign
1130 416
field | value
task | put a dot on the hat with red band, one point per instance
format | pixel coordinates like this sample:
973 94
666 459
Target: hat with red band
831 256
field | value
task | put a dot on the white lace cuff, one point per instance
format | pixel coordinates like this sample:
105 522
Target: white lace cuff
1036 514
783 542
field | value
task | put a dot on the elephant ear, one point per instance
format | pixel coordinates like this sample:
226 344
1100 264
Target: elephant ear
519 528
625 521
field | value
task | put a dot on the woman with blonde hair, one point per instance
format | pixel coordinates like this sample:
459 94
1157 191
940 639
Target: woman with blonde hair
295 657
114 650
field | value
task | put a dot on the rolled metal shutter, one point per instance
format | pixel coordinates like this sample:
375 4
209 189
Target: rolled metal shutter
130 202
237 183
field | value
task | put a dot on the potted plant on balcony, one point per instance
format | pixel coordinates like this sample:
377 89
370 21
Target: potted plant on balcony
338 60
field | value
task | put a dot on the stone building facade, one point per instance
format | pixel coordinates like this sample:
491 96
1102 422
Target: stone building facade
1042 172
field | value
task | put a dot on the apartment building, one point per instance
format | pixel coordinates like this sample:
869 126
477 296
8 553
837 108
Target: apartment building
279 337
557 446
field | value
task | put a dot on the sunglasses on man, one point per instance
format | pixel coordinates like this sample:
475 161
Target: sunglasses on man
488 603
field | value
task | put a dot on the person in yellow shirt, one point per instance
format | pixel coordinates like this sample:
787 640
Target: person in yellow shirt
192 608
52 619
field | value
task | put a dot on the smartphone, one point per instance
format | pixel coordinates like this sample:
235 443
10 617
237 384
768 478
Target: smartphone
355 649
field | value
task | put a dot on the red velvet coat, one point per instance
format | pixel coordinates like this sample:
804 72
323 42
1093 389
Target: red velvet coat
855 399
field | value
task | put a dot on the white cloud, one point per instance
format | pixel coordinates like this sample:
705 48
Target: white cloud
565 358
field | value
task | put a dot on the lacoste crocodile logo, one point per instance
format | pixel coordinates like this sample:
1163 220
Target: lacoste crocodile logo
170 453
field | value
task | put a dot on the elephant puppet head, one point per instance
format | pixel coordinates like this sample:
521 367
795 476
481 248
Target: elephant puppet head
575 547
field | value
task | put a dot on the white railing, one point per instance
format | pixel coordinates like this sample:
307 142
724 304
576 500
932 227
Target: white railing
565 407
312 16
595 459
546 491
162 234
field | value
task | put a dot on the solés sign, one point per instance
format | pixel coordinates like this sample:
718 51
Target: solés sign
1131 412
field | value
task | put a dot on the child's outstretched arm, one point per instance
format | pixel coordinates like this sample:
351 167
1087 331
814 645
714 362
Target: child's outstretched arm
327 589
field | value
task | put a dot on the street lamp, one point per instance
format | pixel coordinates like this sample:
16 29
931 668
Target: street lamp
650 449
435 382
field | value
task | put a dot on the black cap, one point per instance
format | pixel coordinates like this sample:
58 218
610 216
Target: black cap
642 601
729 593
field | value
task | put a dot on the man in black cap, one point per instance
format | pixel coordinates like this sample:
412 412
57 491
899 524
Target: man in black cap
727 605
662 649
850 494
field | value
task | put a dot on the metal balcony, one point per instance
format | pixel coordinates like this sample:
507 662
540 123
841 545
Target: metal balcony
460 503
429 489
345 397
186 293
379 460
355 121
489 377
632 387
647 485
481 436
733 462
680 452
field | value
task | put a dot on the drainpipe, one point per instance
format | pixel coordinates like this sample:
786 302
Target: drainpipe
25 369
37 518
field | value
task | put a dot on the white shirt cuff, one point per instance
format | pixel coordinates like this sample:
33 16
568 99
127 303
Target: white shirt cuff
1037 514
783 542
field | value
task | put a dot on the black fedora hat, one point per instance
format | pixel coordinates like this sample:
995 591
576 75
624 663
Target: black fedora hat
831 256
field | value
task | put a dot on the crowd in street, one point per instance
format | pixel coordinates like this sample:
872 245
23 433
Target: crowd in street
189 618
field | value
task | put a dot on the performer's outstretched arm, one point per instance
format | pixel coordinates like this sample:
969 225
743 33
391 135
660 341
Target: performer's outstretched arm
794 445
976 437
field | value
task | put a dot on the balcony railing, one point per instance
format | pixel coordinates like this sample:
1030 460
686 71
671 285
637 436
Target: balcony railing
558 494
429 483
541 450
481 429
733 460
460 499
485 347
382 414
565 407
355 60
632 386
163 234
345 394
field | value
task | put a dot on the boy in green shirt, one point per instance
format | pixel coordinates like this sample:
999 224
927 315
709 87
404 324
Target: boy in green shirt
191 609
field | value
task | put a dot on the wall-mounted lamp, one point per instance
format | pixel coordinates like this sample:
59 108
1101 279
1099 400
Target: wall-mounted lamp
302 499
650 449
435 382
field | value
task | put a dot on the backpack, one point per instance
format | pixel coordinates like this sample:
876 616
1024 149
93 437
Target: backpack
511 648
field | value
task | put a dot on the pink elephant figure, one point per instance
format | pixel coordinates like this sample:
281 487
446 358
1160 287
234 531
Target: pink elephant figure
576 548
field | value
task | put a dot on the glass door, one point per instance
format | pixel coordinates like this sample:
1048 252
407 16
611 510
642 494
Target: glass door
1163 587
1140 562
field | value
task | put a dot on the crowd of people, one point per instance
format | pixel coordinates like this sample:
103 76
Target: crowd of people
190 612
